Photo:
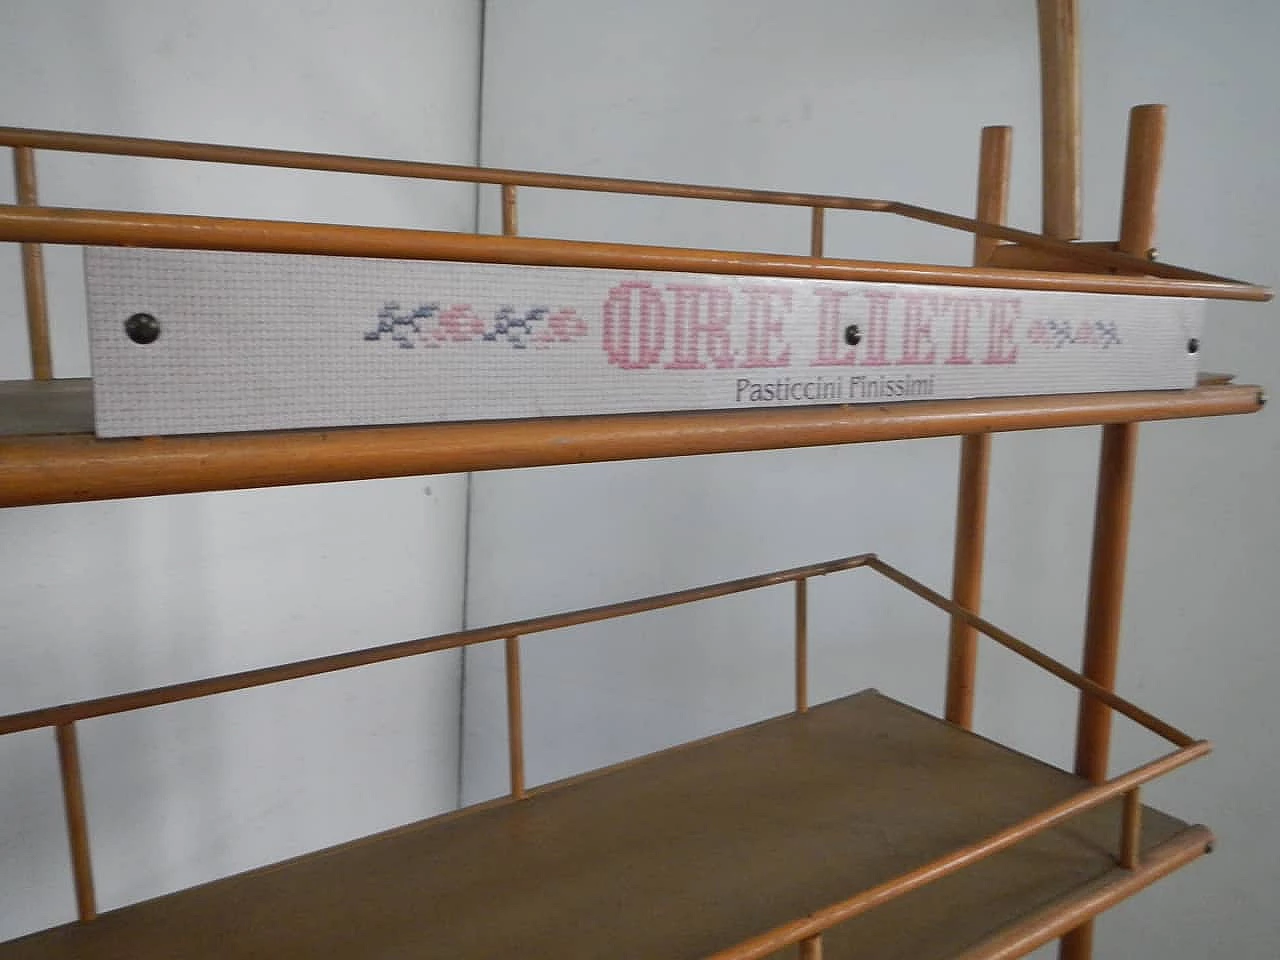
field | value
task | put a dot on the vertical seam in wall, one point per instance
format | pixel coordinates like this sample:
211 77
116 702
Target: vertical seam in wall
467 500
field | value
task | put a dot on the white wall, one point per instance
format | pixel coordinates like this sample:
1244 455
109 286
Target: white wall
99 598
887 100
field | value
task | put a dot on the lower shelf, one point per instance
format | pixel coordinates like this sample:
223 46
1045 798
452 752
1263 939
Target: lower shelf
682 854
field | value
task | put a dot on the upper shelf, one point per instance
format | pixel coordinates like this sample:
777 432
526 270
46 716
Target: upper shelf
48 453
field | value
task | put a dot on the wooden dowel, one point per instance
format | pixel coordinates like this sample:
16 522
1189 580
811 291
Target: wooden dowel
339 163
510 218
817 231
1039 927
112 228
966 585
802 646
1083 253
1142 180
1060 117
811 949
77 822
1106 594
994 157
1092 688
33 277
1131 830
1102 623
194 689
76 468
975 458
515 718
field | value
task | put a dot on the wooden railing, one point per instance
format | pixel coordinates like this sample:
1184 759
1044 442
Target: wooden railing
805 932
1090 267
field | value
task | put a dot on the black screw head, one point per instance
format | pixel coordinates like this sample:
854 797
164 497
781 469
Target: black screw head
1193 345
142 328
852 335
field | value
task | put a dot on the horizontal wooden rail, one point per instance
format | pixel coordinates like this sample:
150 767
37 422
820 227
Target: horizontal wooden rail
1028 652
192 690
64 225
1037 929
1093 255
79 467
339 163
789 934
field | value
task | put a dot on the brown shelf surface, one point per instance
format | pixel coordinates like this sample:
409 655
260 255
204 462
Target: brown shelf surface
48 453
682 854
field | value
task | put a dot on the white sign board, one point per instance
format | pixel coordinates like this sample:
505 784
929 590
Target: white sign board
208 342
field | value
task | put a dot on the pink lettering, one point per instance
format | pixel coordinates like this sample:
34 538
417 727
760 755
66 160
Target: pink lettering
962 309
1000 345
633 325
766 310
831 330
917 332
701 314
875 339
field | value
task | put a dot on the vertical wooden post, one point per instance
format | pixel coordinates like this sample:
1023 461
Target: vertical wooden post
1060 118
993 187
1131 830
33 285
1142 165
1102 626
1106 594
817 231
77 822
802 646
510 218
975 458
966 586
1115 492
811 949
515 718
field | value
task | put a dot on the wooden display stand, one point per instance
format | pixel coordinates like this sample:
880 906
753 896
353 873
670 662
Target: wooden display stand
859 828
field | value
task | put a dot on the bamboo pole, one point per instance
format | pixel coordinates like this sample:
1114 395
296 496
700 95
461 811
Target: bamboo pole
515 718
811 949
1060 117
802 646
77 821
33 277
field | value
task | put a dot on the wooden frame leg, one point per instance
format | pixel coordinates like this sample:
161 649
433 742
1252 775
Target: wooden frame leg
1102 627
1115 490
975 457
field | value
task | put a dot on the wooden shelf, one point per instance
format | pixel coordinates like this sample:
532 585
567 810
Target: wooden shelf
48 453
682 854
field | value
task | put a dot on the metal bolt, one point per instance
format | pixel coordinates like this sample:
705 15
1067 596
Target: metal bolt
852 335
142 328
